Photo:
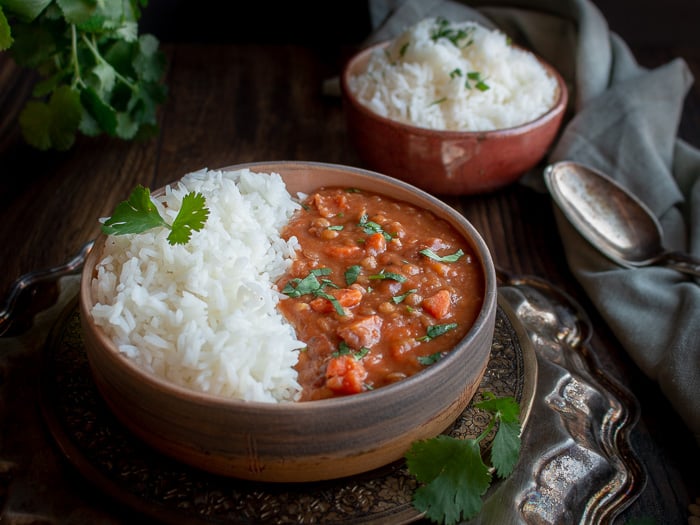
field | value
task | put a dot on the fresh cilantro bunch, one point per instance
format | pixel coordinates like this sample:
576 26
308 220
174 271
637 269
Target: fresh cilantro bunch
452 471
97 74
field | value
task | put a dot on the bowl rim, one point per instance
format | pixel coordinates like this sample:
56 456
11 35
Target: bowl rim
553 112
489 304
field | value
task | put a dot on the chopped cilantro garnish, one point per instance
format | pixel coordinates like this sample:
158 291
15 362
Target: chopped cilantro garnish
370 227
311 285
459 37
452 471
437 330
444 258
400 298
388 275
139 214
351 273
475 76
430 359
344 349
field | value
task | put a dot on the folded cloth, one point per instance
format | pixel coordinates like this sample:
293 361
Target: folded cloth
623 120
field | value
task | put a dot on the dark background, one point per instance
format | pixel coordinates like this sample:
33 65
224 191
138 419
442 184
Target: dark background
656 31
642 23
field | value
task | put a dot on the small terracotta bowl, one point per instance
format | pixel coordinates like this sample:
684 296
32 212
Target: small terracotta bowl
447 162
304 441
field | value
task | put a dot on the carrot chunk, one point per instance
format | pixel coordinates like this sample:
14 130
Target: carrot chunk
345 375
347 297
438 305
375 244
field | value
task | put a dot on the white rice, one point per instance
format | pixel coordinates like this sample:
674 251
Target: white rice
422 81
204 315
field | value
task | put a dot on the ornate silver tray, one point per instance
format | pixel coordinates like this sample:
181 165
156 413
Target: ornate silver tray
117 462
72 461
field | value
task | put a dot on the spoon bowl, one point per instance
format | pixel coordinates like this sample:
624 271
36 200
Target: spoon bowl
615 221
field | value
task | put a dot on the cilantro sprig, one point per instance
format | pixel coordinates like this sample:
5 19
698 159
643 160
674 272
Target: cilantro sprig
452 471
138 214
98 75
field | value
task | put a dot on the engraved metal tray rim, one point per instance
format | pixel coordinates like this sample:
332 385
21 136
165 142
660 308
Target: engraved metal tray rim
559 332
386 492
586 414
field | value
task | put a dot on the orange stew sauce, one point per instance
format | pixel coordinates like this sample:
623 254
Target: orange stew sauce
379 290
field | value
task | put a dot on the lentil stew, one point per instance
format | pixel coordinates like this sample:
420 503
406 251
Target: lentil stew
379 290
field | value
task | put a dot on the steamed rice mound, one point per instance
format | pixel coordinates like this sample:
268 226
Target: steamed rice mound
432 81
204 315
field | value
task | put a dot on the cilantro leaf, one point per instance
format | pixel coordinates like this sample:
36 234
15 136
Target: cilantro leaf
436 330
506 447
383 274
34 122
139 214
454 477
135 215
400 298
444 258
452 471
311 285
506 408
506 443
5 32
428 360
443 29
148 63
351 274
370 227
26 10
104 115
52 124
191 217
344 349
308 285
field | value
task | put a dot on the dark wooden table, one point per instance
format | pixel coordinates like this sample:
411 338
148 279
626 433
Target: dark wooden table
239 103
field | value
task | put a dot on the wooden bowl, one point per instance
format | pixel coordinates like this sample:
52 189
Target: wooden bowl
304 441
447 162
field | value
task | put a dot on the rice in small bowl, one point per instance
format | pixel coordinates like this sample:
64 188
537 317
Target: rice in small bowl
452 107
169 373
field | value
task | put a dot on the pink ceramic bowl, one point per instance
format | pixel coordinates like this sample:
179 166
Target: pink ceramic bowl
311 440
448 162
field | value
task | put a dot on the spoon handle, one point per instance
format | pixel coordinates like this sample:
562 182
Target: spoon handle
682 262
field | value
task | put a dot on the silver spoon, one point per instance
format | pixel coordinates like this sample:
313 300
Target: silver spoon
612 219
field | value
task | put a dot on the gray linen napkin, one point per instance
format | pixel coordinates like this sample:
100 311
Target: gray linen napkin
623 121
